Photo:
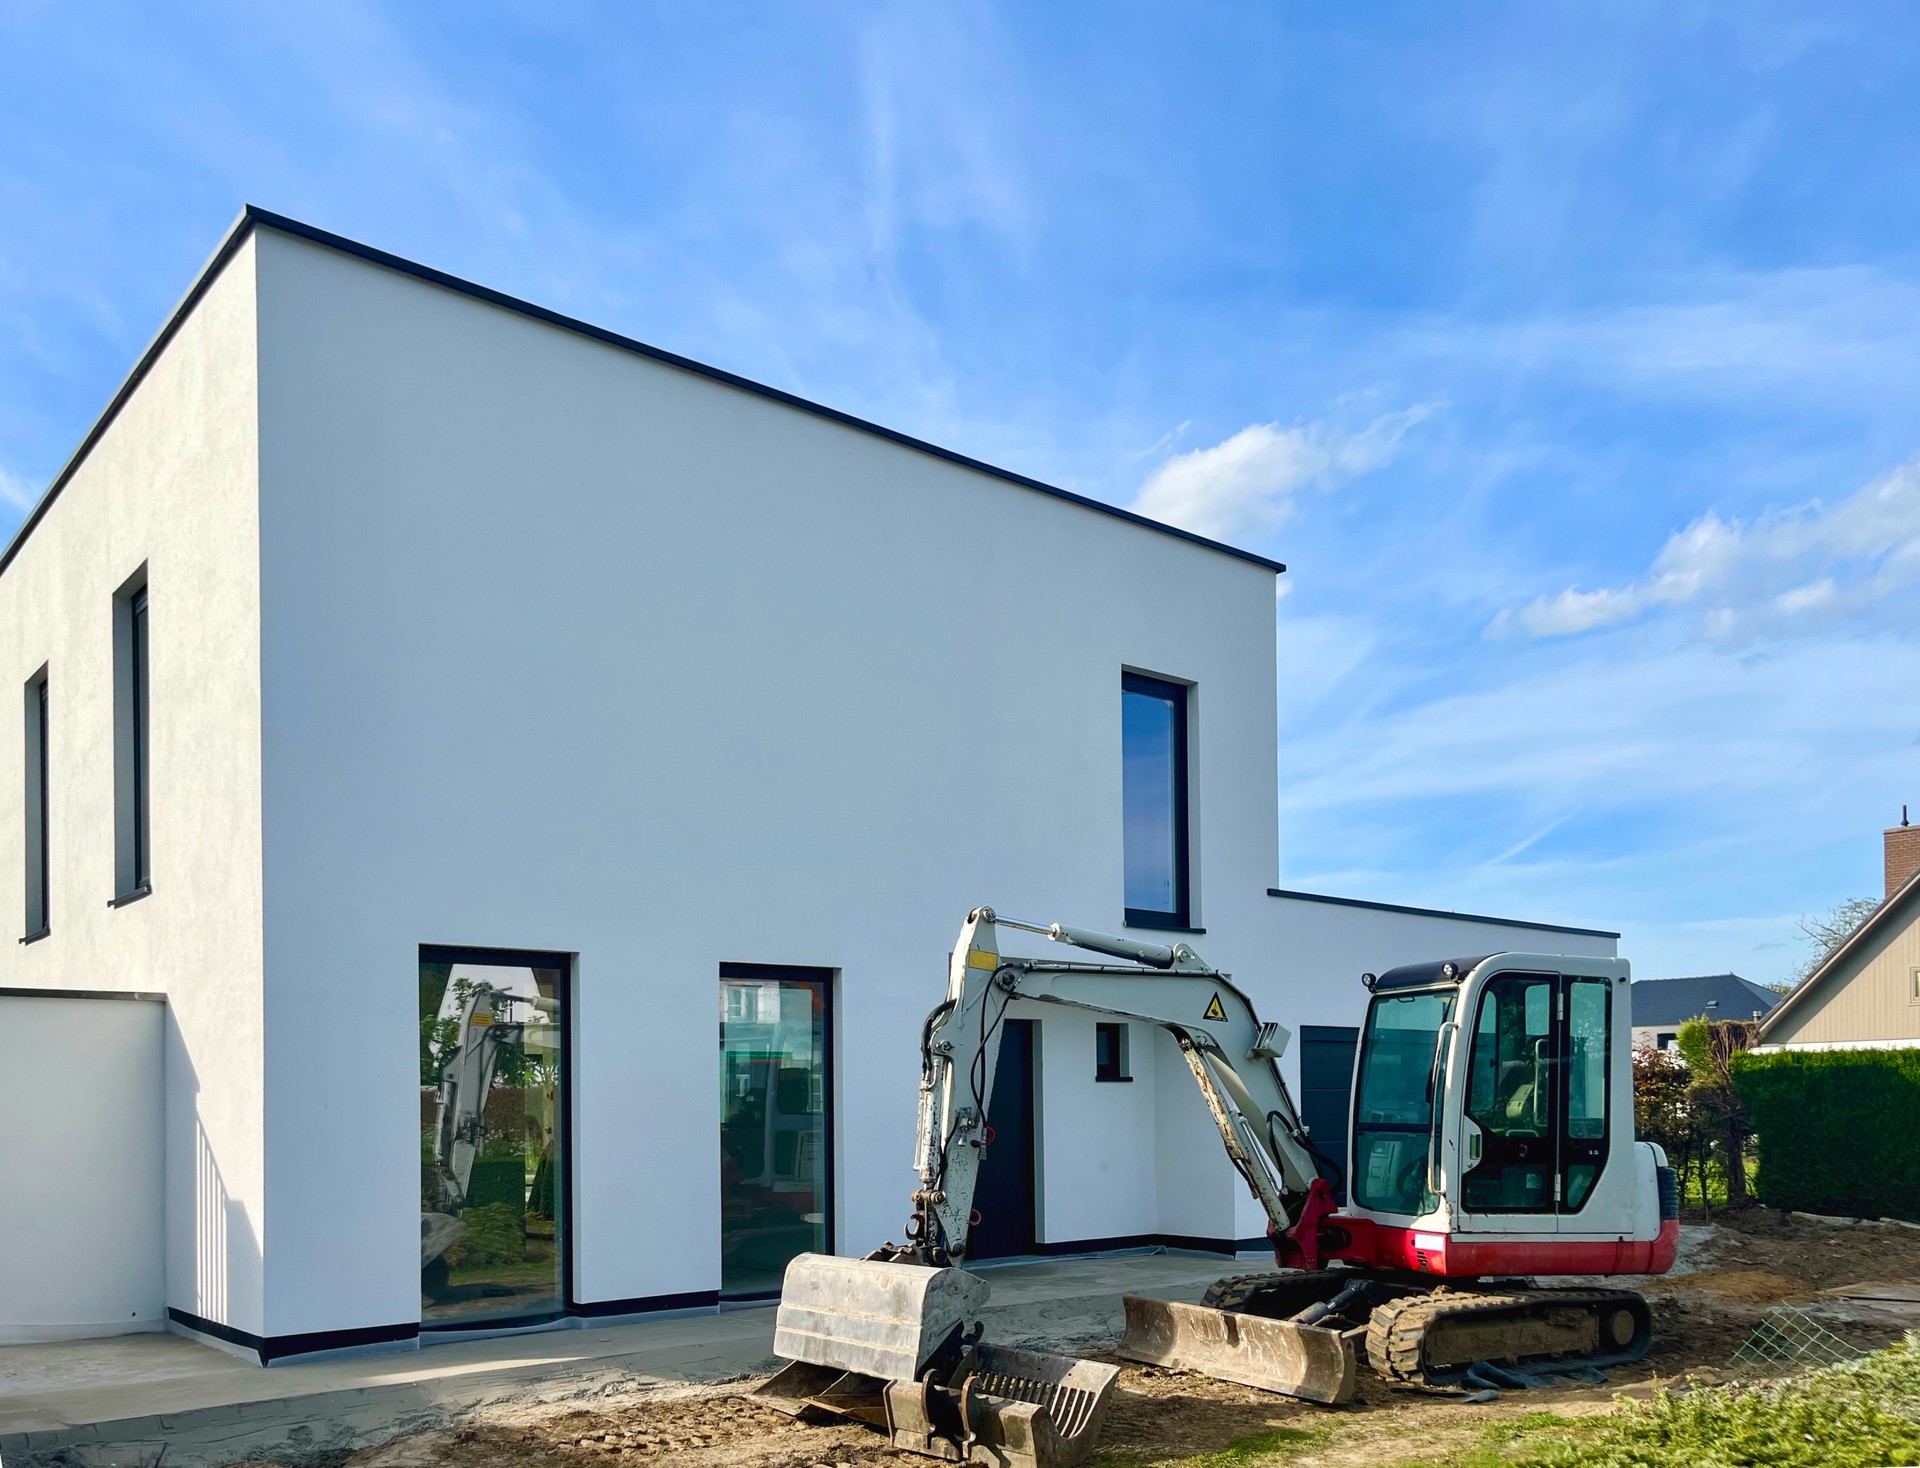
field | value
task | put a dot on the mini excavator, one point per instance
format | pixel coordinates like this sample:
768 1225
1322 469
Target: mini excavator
1491 1141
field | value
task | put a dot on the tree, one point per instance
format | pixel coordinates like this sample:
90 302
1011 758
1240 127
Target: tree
1661 1113
1708 1047
1826 932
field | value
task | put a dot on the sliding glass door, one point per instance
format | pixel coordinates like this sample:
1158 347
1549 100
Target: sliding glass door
493 1110
776 1085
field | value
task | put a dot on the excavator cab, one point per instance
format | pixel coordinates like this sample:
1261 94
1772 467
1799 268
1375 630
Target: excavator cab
1492 1124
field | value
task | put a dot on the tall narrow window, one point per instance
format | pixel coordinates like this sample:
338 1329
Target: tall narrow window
1153 733
36 807
132 742
493 1137
776 1122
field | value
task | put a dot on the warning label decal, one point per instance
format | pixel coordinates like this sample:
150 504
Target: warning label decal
1215 1010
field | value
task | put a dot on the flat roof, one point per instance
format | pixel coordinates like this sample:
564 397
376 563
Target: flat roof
1439 912
252 218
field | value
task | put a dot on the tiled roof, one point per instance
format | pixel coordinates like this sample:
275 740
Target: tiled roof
1717 996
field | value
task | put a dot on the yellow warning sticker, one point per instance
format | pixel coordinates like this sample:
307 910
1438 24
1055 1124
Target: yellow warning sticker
982 958
1215 1010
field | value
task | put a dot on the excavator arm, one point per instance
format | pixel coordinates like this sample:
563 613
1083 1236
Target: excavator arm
895 1337
1233 1057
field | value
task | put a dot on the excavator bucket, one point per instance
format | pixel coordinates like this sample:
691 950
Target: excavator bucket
896 1346
1004 1408
1312 1362
871 1317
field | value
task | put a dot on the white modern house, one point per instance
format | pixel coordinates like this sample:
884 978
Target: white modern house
491 800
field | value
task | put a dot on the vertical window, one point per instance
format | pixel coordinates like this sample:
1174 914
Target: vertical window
35 806
776 1162
493 1110
1583 1145
132 742
1153 730
1110 1059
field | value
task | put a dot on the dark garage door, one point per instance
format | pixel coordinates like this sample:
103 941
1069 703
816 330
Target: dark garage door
1326 1093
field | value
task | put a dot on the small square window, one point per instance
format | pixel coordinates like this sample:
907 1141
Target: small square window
1110 1059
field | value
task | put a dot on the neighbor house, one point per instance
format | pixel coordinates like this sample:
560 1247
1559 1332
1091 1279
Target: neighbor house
494 798
1661 1006
1866 994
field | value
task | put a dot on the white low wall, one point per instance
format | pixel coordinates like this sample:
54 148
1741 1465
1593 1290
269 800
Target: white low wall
81 1210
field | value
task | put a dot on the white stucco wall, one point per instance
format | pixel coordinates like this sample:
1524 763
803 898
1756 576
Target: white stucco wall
567 649
82 1212
171 482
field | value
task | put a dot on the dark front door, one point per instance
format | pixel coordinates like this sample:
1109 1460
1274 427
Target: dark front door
1326 1095
1004 1193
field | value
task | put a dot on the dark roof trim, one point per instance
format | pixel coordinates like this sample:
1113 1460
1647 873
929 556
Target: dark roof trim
250 217
1873 923
1459 917
83 994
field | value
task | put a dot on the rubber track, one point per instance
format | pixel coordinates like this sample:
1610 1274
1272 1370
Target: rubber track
1233 1292
1397 1331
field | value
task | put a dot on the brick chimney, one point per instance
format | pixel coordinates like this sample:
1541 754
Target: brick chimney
1903 852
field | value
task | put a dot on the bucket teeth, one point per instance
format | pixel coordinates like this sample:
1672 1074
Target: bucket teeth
1005 1408
892 1345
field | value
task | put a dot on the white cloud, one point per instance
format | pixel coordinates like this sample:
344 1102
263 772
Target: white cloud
14 491
1244 485
1783 572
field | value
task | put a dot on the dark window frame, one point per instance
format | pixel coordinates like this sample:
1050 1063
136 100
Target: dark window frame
826 978
141 752
566 1224
1179 918
1118 1067
38 826
132 743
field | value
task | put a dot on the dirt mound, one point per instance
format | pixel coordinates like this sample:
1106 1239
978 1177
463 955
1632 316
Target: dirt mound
1754 1286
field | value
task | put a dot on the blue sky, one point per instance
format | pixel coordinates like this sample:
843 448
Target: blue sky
1570 355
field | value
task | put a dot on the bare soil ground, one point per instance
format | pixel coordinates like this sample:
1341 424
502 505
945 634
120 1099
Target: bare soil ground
1751 1261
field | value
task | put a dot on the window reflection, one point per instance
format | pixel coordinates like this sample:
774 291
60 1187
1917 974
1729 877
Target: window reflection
774 1125
490 1117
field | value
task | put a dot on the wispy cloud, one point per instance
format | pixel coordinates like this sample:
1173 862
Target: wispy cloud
1784 572
14 491
1244 485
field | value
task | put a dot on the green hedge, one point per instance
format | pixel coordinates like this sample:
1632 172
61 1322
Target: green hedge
1838 1130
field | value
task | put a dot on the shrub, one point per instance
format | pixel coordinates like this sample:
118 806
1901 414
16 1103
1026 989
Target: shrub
1836 1129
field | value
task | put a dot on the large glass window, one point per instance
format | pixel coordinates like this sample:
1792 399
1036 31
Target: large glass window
1153 740
776 1163
1393 1131
492 1119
